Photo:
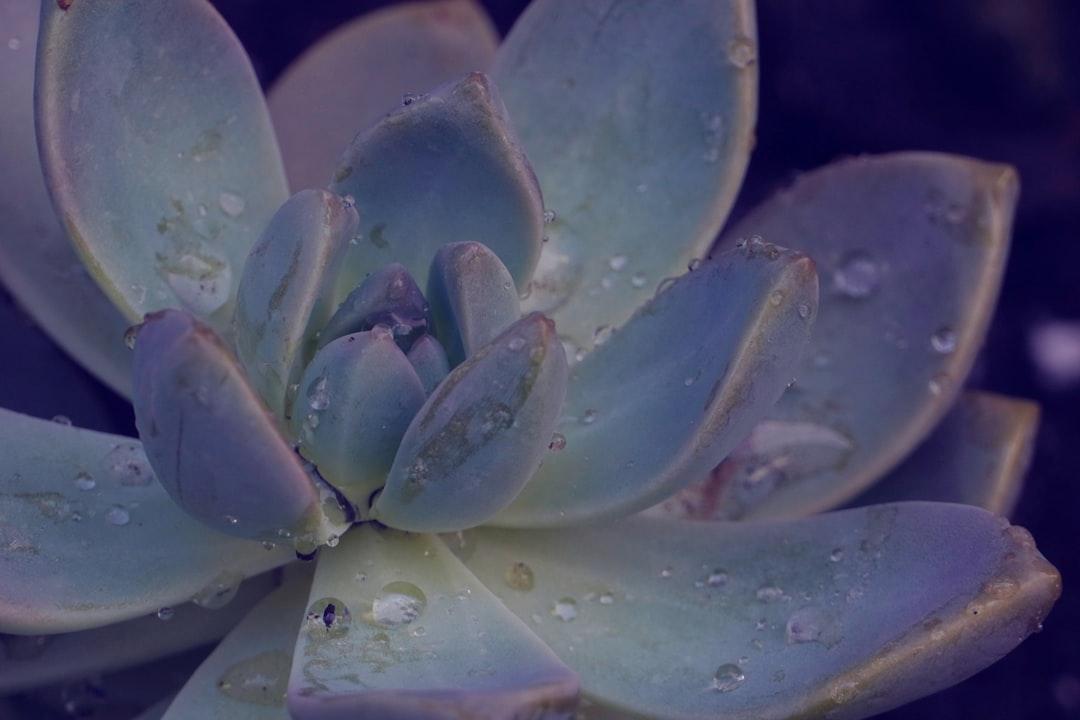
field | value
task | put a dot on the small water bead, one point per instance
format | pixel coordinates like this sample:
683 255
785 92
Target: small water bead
117 515
728 677
549 216
519 576
565 609
349 202
305 547
602 334
836 555
129 336
803 310
318 396
776 297
691 379
558 442
856 276
232 520
516 343
694 264
14 43
410 98
717 578
639 280
231 204
589 416
61 420
332 540
617 262
165 613
267 545
220 591
741 52
328 617
943 340
606 598
666 572
769 594
937 384
398 603
85 481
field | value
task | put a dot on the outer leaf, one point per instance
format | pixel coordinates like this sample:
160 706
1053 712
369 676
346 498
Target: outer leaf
419 175
36 660
668 395
842 615
157 148
73 558
911 249
246 676
37 262
978 455
211 441
374 61
639 121
413 634
285 293
480 436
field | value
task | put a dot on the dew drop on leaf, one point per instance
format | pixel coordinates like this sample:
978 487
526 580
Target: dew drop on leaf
220 591
728 677
565 609
519 576
328 617
398 603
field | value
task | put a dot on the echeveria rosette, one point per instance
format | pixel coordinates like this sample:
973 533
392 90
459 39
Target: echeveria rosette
421 392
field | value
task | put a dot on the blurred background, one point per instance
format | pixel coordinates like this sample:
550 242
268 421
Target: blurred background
995 79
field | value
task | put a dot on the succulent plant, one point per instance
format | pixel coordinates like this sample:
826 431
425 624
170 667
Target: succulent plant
495 418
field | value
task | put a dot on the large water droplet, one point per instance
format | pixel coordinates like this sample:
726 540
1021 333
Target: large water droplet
165 613
558 442
856 276
398 603
728 677
85 481
259 680
943 340
565 609
519 576
220 591
231 204
117 515
318 396
328 617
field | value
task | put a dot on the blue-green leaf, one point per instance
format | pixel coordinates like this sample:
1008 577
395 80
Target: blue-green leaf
977 455
157 148
911 249
443 168
639 122
373 61
840 615
472 296
37 262
666 397
286 291
388 296
481 435
90 538
397 628
357 398
428 358
211 441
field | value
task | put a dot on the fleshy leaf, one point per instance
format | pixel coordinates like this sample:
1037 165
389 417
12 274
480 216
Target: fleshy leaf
213 445
911 248
977 455
428 358
388 296
374 61
481 435
286 291
90 538
472 296
37 262
665 397
639 122
419 174
358 397
397 628
157 148
842 615
247 674
28 661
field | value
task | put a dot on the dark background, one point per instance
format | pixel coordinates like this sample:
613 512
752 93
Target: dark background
996 79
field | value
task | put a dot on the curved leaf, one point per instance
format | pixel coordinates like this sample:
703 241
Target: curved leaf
388 296
480 436
397 628
842 615
664 398
374 60
911 248
157 149
639 122
37 262
90 538
442 168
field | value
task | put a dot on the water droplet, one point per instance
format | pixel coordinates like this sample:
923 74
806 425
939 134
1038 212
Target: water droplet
804 310
328 617
349 202
617 262
519 576
85 481
220 591
398 603
856 276
231 519
602 334
770 594
127 465
305 547
14 43
836 555
259 680
267 545
813 624
691 379
776 297
165 613
129 336
332 540
937 384
666 572
717 578
318 397
61 420
558 442
549 216
606 598
943 340
639 280
231 204
565 609
589 416
117 515
694 264
516 343
741 52
728 677
201 279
